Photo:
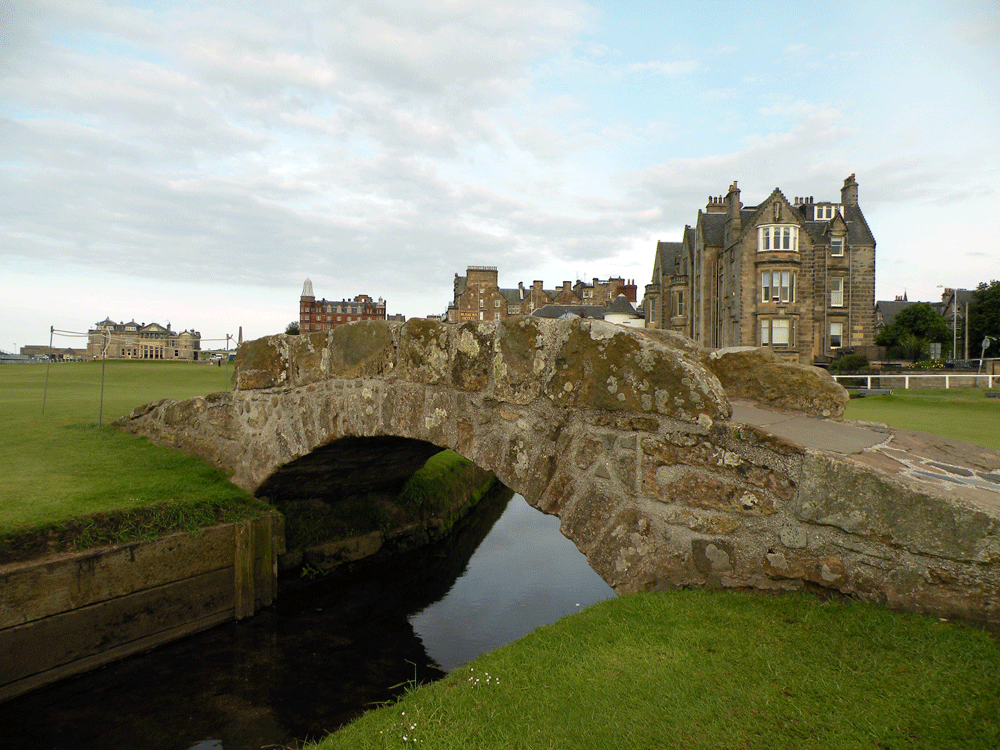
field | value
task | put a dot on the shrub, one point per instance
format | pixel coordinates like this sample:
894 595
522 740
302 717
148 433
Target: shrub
849 363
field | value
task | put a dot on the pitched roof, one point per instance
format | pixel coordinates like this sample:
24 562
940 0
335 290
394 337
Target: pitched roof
713 226
889 309
622 306
858 231
668 255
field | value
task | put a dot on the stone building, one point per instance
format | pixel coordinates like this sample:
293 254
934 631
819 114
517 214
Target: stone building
478 296
323 315
142 341
797 276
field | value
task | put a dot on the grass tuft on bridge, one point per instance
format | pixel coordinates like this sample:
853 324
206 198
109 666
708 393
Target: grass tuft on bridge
709 669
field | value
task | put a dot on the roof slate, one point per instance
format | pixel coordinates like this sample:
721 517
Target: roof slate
583 311
669 256
621 305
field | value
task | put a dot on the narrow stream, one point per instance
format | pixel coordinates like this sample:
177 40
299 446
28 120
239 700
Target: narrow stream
326 652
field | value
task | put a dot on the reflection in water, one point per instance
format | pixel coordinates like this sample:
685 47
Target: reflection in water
523 575
326 652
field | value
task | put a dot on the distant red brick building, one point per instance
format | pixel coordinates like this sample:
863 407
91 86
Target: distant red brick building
323 315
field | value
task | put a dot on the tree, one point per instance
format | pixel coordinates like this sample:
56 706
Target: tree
912 329
984 317
292 329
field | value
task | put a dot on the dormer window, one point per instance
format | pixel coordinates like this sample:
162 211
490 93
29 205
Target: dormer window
837 247
825 213
771 238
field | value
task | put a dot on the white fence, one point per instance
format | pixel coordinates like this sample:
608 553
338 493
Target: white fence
945 380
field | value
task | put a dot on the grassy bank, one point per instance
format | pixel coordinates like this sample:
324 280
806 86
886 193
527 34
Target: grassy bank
710 669
963 414
69 483
441 490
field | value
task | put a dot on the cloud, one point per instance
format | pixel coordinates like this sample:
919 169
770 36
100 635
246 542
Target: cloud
212 139
370 143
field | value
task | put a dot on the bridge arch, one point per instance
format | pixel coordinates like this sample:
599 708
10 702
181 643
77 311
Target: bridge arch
627 436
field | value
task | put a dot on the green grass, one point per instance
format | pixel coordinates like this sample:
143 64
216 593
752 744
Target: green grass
442 483
61 465
710 669
963 414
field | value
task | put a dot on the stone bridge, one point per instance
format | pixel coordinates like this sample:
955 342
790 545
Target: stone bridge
667 464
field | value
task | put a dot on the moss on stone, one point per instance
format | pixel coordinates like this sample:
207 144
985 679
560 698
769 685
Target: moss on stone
603 367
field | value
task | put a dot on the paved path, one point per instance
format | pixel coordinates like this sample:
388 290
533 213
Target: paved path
928 459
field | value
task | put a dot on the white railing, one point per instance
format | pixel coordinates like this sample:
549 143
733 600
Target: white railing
951 380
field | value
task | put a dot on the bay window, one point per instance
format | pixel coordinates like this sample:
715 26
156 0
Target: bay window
771 238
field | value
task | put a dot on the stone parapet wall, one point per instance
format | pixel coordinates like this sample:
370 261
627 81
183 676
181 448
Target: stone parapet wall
68 614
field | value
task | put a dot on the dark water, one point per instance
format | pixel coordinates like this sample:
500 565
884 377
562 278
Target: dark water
326 652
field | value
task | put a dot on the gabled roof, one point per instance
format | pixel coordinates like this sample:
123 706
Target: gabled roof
622 306
963 296
749 214
890 309
858 232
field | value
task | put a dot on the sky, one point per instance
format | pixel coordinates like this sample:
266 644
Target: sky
193 163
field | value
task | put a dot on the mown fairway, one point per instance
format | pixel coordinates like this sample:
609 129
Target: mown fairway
964 414
60 464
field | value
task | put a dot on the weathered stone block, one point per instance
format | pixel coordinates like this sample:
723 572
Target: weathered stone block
845 495
758 375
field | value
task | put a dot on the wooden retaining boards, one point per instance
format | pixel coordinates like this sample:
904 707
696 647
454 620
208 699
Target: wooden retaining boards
66 615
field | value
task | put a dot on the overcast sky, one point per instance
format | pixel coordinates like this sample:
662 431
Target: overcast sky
194 162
